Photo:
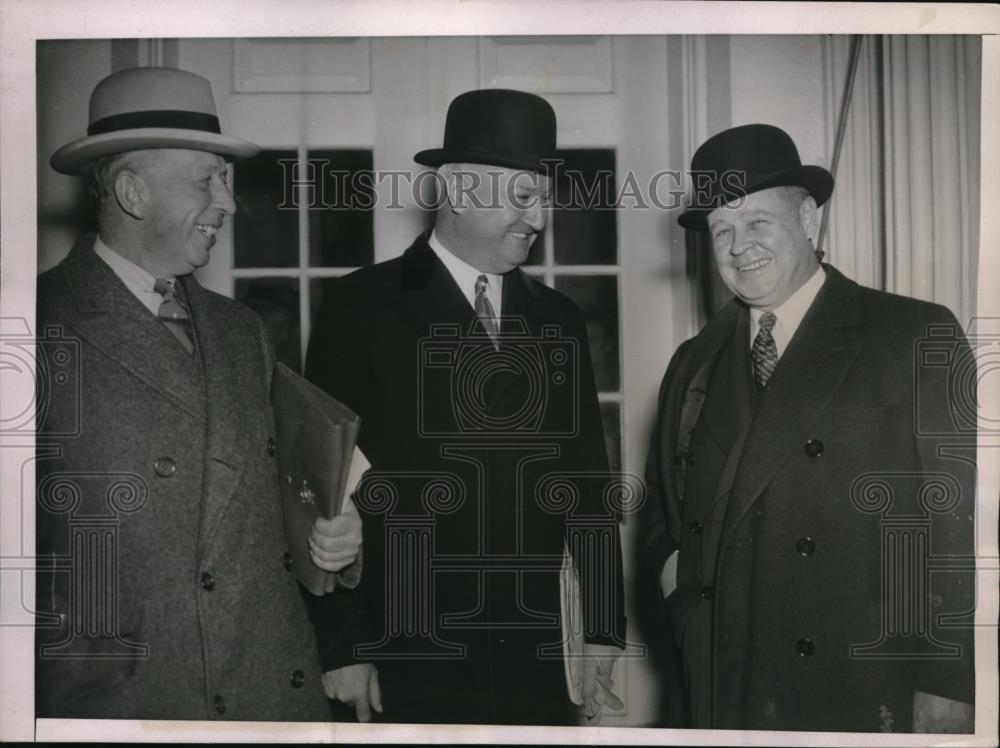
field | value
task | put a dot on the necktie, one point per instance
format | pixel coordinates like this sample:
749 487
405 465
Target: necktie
484 310
764 352
174 314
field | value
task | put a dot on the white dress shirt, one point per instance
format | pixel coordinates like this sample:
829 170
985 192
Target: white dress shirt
465 276
136 279
789 315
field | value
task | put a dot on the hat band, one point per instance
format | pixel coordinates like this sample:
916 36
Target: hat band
169 118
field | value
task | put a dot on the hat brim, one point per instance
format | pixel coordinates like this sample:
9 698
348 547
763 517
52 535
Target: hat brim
74 157
439 156
817 180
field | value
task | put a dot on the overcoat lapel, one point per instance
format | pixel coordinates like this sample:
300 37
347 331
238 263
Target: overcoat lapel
112 320
227 413
824 347
428 296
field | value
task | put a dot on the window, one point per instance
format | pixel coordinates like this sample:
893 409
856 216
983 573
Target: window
302 216
579 257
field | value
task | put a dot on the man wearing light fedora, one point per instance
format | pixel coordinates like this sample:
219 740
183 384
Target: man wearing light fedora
800 486
437 351
162 590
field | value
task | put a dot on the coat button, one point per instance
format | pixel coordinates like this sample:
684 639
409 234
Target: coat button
805 546
220 704
707 592
696 528
298 679
805 647
165 467
207 581
288 563
270 447
814 447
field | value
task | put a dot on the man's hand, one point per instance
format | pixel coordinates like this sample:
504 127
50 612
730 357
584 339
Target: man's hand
937 714
356 685
599 661
334 543
668 576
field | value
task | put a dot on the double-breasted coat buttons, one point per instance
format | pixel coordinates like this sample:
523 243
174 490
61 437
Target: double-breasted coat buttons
814 447
805 647
298 679
270 447
220 704
805 546
207 581
165 467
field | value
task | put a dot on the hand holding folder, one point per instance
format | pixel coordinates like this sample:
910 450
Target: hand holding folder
319 465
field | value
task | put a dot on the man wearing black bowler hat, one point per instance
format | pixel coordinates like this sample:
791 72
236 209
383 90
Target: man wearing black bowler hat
792 436
475 387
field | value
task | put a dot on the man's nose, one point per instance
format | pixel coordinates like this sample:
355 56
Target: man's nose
222 198
535 215
742 241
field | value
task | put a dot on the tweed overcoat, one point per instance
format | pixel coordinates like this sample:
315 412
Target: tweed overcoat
822 613
162 589
493 455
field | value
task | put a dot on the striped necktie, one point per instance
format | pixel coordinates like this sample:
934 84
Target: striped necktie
764 352
174 314
484 310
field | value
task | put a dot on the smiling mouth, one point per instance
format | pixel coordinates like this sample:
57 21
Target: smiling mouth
756 265
522 236
207 230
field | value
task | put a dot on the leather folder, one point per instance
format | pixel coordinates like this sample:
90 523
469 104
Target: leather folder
315 450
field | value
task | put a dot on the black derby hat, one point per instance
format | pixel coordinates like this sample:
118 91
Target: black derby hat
497 127
743 160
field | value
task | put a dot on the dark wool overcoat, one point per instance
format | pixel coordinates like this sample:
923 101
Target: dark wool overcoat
839 580
484 462
162 588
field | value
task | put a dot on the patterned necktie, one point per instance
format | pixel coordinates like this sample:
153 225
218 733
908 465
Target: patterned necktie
174 314
484 310
764 352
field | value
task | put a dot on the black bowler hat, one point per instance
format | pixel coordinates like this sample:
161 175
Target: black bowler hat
497 127
743 160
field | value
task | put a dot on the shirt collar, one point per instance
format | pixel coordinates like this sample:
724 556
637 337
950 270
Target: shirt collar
790 313
136 279
465 275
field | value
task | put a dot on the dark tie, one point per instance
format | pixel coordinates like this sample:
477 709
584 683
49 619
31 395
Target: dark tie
764 352
484 309
174 314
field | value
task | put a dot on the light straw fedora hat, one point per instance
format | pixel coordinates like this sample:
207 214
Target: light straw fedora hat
150 107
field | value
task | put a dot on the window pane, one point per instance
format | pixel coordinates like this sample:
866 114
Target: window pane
597 297
612 434
340 216
585 229
266 224
276 301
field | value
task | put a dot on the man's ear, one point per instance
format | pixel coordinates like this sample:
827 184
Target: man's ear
132 194
809 216
456 188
